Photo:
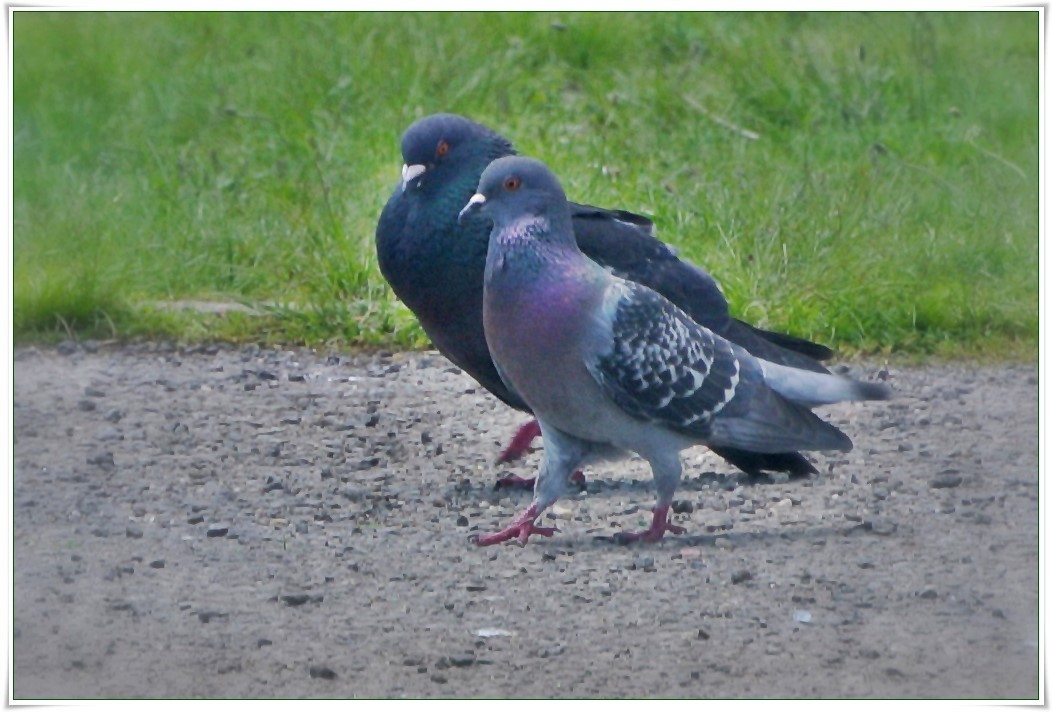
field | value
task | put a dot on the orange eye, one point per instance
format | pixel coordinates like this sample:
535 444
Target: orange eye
442 149
512 183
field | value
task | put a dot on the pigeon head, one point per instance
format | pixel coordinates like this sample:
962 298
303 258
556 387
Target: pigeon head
517 188
443 145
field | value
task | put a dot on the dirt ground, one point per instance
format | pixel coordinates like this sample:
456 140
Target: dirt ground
238 522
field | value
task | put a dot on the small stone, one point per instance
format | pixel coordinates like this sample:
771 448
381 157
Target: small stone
295 599
476 586
929 593
682 506
493 633
462 521
133 532
703 634
157 564
108 433
439 678
561 512
207 616
103 460
646 563
93 392
195 519
263 642
322 672
945 481
741 576
217 530
86 405
882 527
301 526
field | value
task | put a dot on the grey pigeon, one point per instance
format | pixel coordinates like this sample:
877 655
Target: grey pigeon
435 266
608 365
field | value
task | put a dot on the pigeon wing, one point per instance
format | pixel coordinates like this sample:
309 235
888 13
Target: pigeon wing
661 367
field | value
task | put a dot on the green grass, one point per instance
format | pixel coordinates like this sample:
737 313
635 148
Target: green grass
889 204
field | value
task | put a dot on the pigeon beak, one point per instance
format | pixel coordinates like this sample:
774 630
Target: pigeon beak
411 172
474 205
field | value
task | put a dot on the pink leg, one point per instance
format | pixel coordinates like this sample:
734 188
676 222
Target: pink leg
658 526
520 443
520 529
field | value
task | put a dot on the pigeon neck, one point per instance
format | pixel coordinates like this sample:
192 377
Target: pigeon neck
533 231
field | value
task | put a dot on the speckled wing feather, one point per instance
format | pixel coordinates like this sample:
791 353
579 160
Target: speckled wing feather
662 367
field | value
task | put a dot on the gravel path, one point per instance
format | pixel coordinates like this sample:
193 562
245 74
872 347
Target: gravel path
237 522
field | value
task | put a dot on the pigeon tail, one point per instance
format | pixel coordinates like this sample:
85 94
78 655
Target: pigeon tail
810 389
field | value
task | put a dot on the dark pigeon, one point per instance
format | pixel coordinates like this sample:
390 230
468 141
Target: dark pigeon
435 266
609 366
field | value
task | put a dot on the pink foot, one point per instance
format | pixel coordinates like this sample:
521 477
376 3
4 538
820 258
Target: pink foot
658 526
516 482
520 529
520 443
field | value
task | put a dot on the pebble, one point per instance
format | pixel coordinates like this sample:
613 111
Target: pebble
322 672
217 530
741 576
493 633
157 564
646 563
946 480
298 599
881 526
682 506
107 433
103 460
133 532
86 405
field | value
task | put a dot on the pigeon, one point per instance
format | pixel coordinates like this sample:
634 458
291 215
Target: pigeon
435 266
609 366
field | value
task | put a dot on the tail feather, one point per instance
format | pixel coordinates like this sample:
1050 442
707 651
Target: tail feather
810 389
774 424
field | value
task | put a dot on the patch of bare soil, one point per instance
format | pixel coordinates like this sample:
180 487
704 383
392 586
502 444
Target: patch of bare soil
224 522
